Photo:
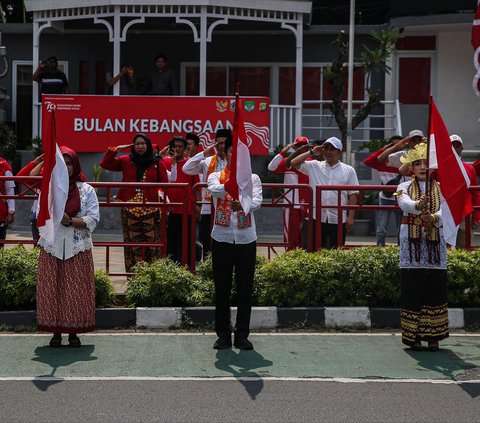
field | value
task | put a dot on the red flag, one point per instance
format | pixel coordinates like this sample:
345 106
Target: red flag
451 175
54 187
476 48
240 185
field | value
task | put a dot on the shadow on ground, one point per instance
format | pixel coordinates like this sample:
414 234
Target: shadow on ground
241 364
59 357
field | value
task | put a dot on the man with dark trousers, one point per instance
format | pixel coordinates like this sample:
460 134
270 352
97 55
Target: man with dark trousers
234 247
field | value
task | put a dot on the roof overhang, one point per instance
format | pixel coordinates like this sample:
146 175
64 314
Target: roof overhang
295 6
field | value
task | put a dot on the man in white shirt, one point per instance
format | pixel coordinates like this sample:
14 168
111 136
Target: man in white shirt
204 164
234 246
330 171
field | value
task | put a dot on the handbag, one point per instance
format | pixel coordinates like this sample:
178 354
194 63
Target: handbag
394 181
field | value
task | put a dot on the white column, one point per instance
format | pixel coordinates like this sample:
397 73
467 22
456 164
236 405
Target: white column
116 48
35 60
350 82
299 79
203 53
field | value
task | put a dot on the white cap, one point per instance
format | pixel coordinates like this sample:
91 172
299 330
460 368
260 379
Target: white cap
335 142
415 133
455 137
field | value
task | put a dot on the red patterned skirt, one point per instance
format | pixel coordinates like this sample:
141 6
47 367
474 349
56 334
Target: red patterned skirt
66 293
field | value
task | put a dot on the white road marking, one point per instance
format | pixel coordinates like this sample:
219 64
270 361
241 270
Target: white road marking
231 378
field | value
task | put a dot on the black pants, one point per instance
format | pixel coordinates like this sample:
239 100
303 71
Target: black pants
205 233
3 232
329 234
174 237
226 257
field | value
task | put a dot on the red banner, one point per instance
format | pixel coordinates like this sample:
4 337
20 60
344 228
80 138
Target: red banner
91 123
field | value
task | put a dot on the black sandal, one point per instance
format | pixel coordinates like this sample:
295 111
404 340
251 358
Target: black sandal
74 341
56 340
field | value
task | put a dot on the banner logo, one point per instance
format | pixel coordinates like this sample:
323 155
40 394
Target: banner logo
249 105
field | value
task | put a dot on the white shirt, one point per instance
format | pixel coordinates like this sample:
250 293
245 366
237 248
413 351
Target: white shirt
10 190
394 158
70 241
321 173
198 165
233 234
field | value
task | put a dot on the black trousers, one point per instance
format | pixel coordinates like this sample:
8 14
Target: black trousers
3 232
204 234
225 258
329 234
174 237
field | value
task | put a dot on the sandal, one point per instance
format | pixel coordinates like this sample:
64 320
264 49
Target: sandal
74 341
56 340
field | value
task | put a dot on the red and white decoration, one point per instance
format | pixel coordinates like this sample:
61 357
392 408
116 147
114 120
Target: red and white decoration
451 175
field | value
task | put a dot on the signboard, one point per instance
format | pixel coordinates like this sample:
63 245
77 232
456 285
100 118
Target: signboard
91 123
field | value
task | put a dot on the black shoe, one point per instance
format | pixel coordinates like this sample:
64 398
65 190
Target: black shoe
243 344
222 343
56 341
74 341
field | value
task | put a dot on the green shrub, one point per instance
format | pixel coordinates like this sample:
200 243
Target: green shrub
18 280
204 292
104 290
160 284
463 278
18 277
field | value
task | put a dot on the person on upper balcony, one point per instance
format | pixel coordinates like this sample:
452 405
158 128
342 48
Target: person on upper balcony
163 80
52 80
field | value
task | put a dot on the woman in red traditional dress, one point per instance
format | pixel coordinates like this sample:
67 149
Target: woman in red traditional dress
140 224
66 283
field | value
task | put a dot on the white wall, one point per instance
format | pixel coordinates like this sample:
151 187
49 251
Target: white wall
455 99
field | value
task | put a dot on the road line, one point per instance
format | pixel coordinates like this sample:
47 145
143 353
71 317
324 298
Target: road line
231 378
471 335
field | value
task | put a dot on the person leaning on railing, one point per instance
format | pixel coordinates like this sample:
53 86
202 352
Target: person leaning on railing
140 224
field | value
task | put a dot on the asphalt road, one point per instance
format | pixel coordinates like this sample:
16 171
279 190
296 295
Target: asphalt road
287 378
237 401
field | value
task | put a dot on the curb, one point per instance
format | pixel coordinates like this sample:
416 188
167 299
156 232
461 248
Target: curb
261 318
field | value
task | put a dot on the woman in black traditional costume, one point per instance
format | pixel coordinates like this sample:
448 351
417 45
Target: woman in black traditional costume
423 256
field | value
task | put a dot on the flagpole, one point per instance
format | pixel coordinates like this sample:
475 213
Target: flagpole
427 185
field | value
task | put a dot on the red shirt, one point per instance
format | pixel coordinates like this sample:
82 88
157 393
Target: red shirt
154 173
177 195
475 194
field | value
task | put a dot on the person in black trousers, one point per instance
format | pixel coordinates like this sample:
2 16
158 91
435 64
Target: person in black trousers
234 248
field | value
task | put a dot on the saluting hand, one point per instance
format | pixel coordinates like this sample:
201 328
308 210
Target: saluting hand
209 150
122 147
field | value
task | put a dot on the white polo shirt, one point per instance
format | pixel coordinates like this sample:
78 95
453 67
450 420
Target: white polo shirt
321 173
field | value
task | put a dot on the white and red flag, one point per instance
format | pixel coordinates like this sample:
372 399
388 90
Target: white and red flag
240 185
54 187
451 175
476 49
